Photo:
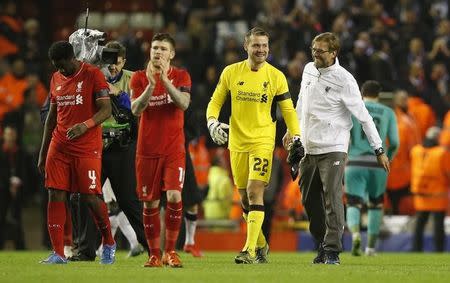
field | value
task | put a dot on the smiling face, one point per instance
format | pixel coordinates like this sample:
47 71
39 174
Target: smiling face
322 54
257 47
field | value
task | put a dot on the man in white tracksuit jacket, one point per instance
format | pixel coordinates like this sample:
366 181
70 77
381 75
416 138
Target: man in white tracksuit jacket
329 95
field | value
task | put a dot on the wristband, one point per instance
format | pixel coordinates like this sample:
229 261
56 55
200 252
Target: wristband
379 151
90 123
211 121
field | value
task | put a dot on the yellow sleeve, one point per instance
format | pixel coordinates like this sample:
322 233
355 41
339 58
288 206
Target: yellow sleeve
286 105
282 84
289 116
219 96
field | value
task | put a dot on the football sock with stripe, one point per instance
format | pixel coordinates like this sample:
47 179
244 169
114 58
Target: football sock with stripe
101 217
174 213
261 242
56 218
152 230
254 222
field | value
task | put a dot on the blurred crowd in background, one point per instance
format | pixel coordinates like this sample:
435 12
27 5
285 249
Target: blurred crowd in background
405 45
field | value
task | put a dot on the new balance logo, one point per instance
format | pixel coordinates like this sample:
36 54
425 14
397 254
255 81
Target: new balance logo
240 83
144 191
91 175
58 88
265 84
327 89
264 98
336 163
78 99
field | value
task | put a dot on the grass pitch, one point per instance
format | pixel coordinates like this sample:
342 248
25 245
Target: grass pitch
220 267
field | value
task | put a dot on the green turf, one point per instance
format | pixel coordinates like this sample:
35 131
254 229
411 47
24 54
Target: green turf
220 267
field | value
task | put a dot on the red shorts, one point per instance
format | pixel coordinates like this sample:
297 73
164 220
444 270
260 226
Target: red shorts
154 175
72 174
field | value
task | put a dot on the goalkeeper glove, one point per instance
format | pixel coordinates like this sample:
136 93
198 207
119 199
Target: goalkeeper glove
295 154
217 131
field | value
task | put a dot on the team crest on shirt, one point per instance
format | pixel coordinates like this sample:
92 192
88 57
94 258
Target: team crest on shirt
58 88
79 87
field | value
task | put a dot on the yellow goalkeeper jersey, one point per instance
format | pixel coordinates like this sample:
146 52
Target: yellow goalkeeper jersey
254 96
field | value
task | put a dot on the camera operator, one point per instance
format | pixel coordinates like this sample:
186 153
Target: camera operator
119 141
118 159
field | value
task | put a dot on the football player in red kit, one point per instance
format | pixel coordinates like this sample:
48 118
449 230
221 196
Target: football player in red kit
160 94
71 147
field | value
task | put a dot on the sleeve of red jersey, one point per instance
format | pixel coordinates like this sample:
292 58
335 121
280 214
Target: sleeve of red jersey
136 86
52 88
100 84
185 82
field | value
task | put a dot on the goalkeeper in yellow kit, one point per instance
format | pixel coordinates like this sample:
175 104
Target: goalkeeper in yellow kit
255 88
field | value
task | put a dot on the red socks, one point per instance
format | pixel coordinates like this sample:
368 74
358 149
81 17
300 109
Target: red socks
152 229
174 213
56 218
68 227
101 218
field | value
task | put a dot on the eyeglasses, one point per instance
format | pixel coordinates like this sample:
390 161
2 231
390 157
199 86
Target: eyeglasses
319 51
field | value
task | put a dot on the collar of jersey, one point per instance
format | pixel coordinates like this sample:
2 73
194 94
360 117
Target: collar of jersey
75 74
329 68
116 78
247 63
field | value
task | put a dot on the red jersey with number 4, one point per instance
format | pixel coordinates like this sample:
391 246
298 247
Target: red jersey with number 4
75 97
161 123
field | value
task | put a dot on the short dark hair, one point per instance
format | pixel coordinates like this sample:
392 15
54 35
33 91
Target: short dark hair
371 89
331 39
256 31
164 37
117 45
60 50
